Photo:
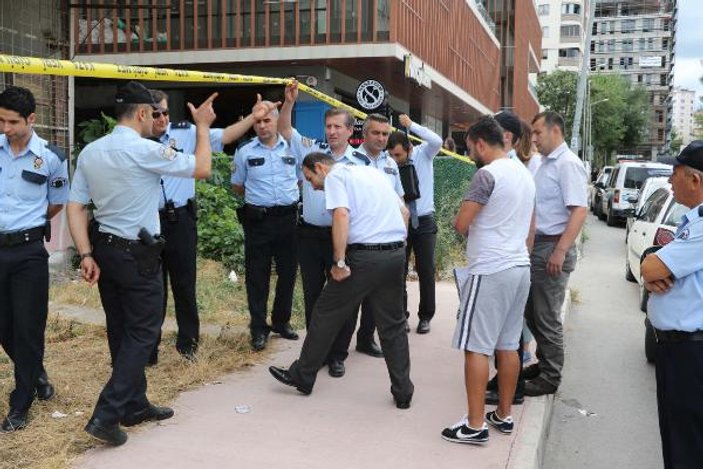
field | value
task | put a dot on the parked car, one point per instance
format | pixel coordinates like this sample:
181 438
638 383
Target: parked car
626 180
598 189
649 186
655 225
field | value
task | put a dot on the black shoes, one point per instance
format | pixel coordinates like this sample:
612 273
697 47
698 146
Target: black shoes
109 433
336 368
15 420
539 387
531 372
258 341
285 377
369 347
44 389
285 331
188 349
403 403
147 414
423 327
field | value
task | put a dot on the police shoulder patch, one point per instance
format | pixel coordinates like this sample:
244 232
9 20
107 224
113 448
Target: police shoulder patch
685 233
181 125
56 151
168 153
308 142
58 182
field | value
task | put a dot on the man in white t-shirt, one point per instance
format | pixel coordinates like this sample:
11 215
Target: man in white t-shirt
369 227
497 217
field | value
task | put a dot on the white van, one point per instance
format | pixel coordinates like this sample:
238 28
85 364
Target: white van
625 182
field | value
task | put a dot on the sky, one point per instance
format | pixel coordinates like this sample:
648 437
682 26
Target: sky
689 46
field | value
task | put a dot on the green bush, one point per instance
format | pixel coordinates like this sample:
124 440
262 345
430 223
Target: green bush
220 236
451 178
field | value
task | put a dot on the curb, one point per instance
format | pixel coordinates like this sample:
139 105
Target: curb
527 451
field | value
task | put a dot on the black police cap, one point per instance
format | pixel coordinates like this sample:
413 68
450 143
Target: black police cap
134 93
691 156
509 122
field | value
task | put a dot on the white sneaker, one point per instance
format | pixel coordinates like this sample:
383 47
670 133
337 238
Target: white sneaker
461 432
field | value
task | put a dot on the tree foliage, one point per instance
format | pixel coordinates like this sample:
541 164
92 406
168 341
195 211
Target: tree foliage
620 111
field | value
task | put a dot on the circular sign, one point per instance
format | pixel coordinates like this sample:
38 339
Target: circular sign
370 94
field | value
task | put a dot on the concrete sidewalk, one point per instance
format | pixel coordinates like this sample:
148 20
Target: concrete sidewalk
346 423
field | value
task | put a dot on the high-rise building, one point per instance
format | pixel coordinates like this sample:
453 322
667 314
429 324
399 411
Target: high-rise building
564 24
683 108
636 38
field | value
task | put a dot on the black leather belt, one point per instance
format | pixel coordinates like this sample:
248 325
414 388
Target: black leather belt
376 247
279 210
541 238
310 226
678 336
21 237
109 239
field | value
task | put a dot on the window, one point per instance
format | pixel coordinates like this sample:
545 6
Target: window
650 43
571 31
628 26
545 54
627 45
545 31
663 79
665 43
611 45
543 10
647 25
570 9
653 205
641 42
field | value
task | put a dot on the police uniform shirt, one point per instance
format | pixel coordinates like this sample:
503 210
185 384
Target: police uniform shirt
269 175
181 137
121 173
423 158
374 208
29 182
314 211
386 165
681 307
561 182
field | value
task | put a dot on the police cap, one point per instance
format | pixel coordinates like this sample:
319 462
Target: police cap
134 93
691 156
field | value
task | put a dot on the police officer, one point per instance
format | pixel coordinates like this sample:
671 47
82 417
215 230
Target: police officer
177 211
369 227
315 226
417 175
674 276
266 173
121 174
375 131
33 179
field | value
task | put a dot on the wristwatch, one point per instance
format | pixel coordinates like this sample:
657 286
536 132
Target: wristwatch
341 264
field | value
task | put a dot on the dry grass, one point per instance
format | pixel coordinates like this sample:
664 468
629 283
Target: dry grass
78 363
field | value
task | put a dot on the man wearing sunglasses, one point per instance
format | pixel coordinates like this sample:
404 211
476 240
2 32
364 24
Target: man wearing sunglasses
177 211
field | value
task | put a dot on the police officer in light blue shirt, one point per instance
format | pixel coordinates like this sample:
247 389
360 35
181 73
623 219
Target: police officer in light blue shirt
266 173
121 174
674 276
33 189
314 229
417 175
177 211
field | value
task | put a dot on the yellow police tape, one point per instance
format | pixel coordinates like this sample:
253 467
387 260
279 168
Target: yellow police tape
37 66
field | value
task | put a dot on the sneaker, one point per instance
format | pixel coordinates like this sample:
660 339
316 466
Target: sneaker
460 432
504 426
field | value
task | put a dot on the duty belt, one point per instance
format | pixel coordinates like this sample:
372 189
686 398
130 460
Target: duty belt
678 336
21 237
109 239
376 247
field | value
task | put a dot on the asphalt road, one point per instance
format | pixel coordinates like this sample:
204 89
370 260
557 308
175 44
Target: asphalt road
605 412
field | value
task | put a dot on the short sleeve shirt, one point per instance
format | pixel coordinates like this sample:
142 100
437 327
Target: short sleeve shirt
386 165
121 173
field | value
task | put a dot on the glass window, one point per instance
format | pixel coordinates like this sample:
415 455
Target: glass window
628 26
653 205
543 10
647 25
382 20
335 21
635 176
545 31
627 45
351 16
304 14
676 211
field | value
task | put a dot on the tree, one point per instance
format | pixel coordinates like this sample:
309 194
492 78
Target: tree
619 111
676 142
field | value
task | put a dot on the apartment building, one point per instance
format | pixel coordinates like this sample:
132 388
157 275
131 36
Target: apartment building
683 107
452 48
636 38
564 25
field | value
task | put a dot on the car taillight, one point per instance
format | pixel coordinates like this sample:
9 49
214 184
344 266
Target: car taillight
616 197
663 237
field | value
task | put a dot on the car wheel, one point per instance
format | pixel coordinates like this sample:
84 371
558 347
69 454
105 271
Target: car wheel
628 272
610 218
599 213
650 342
644 298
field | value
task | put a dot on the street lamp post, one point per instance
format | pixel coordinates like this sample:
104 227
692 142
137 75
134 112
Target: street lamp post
589 129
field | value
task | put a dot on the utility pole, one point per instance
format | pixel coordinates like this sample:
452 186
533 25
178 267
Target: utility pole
583 79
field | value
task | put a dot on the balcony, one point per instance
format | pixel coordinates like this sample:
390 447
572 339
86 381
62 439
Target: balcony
179 25
569 61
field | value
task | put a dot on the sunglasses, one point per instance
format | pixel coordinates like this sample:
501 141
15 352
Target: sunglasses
157 114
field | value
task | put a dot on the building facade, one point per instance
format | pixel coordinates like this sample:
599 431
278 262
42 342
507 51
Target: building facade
683 108
636 38
564 24
452 47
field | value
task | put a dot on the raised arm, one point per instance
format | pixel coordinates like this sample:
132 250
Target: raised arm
433 142
285 126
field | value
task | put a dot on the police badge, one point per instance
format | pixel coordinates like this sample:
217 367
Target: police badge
38 162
